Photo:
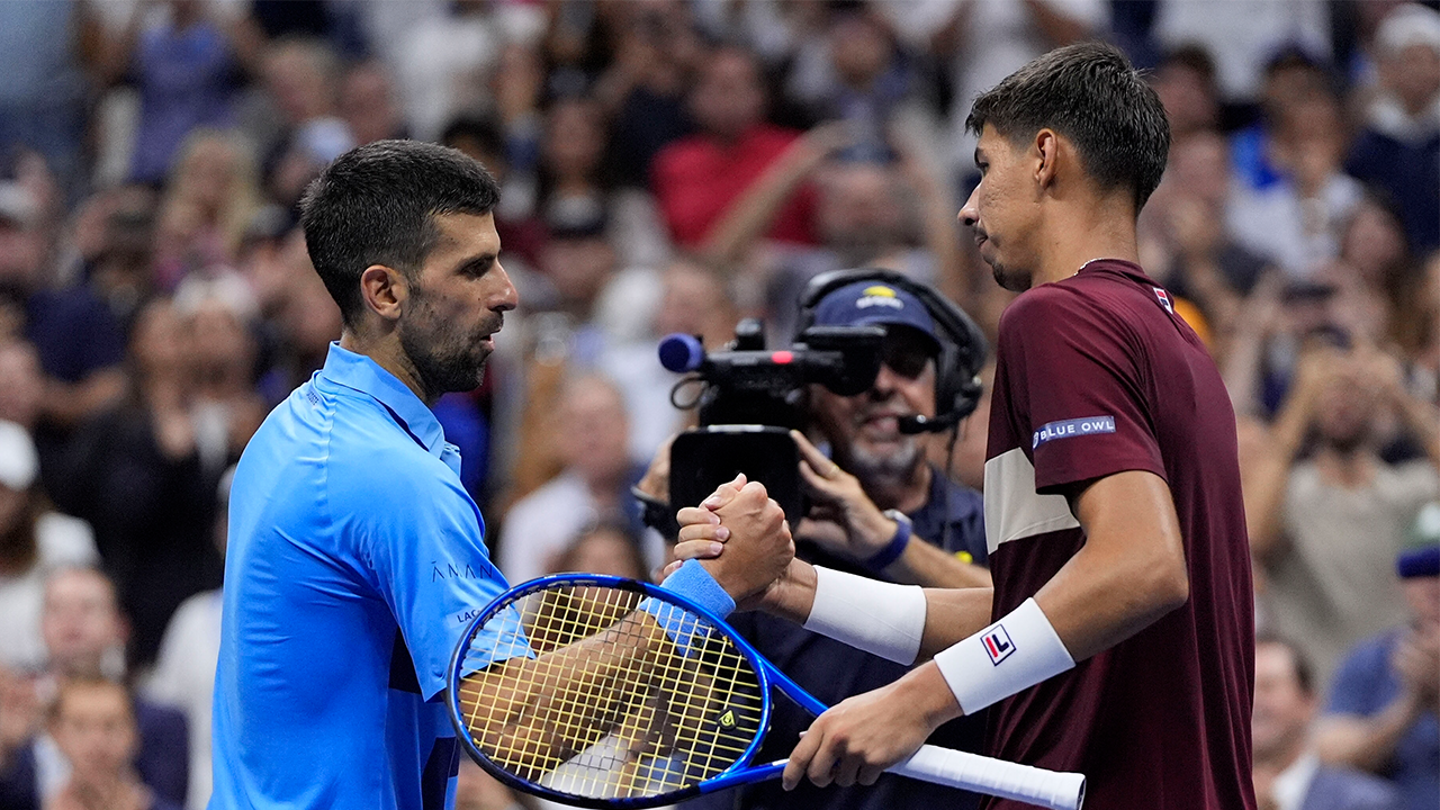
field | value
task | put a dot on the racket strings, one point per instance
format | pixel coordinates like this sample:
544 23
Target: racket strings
604 711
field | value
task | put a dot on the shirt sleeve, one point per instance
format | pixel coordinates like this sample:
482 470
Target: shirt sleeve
1077 386
427 555
1362 685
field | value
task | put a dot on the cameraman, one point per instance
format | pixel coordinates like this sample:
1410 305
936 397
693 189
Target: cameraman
876 476
878 507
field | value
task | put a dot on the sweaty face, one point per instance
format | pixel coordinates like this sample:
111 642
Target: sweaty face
456 303
864 430
1002 210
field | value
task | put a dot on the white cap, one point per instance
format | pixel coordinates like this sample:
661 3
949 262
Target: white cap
17 204
19 462
1409 24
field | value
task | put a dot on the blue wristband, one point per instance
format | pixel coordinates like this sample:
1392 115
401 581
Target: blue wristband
693 582
897 544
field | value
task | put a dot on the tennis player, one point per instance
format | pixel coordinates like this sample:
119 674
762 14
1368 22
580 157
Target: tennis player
356 557
1118 638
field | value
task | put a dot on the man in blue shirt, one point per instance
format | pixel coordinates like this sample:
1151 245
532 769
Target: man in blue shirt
356 556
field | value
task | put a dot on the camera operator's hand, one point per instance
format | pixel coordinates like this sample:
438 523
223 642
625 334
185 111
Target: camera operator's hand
656 481
842 518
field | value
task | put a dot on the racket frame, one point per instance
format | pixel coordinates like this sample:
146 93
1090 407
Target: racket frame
737 773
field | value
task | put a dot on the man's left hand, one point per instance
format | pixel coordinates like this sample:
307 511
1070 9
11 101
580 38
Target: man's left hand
842 518
854 742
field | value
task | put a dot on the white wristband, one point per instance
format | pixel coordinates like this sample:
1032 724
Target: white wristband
881 618
1012 654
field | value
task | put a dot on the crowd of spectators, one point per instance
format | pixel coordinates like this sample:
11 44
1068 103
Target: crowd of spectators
672 166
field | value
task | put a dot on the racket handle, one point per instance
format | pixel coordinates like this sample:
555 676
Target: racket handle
996 777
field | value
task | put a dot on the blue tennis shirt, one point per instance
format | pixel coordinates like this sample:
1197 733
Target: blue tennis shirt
355 562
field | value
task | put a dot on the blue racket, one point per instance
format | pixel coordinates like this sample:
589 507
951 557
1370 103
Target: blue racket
599 691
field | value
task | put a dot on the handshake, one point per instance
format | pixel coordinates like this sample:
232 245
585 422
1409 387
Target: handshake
742 539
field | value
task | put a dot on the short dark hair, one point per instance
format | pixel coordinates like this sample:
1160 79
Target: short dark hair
376 204
1304 671
1091 94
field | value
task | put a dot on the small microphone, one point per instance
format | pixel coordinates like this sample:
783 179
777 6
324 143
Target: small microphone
681 353
911 425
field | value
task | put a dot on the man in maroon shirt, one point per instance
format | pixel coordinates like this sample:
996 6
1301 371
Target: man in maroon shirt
1118 638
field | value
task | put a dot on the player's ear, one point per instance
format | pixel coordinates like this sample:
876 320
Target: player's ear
384 290
1045 157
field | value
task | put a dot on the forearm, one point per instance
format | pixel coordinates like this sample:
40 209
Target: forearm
751 213
1131 571
512 705
1367 743
1267 477
932 567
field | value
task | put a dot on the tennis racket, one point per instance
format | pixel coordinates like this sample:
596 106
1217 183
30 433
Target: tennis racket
599 691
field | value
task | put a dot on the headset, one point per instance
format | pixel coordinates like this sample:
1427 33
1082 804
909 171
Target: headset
963 347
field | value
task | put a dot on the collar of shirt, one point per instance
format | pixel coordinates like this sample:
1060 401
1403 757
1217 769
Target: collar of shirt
359 373
1293 783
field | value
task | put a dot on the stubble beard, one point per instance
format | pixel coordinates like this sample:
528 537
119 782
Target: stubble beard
444 360
443 370
890 469
1014 282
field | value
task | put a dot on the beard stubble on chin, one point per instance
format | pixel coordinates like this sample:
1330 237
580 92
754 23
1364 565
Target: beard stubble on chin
887 468
444 363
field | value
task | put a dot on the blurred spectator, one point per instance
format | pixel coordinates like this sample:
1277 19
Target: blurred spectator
22 384
590 430
184 674
444 64
143 474
184 66
895 214
78 339
113 239
984 40
606 547
367 101
93 723
696 178
855 71
1384 709
1185 82
1295 221
41 45
573 183
1324 528
1288 774
643 89
694 300
217 314
1243 34
1184 242
34 540
302 77
212 197
85 640
1399 147
21 716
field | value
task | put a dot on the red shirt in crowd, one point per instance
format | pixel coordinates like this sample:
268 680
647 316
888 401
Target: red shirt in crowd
695 179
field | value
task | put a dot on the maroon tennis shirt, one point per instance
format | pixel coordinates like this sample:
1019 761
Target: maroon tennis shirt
1097 375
